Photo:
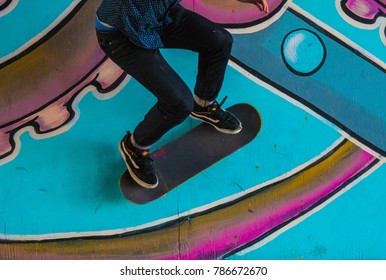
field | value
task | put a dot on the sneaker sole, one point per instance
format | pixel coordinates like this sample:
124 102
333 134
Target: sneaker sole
223 130
132 174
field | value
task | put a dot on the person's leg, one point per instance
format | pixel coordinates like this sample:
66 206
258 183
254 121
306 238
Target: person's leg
213 44
149 68
175 102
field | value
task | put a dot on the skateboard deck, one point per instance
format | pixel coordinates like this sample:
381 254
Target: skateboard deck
191 153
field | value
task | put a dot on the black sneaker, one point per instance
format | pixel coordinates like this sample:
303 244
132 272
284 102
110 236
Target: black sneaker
214 115
139 163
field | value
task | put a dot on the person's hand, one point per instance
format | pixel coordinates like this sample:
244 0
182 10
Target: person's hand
261 4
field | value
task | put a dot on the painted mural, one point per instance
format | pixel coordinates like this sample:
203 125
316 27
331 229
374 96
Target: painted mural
308 186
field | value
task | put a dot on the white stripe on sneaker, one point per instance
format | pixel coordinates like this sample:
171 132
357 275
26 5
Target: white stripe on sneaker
128 154
223 130
204 117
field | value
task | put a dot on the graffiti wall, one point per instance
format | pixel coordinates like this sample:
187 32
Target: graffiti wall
309 184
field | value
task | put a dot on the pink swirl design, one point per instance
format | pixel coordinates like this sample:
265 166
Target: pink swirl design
366 11
40 85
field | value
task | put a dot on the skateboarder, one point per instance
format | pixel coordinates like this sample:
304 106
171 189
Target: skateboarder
131 33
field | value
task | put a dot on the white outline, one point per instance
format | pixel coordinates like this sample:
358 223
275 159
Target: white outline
9 9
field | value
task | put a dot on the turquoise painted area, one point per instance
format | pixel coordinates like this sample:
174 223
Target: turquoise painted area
26 21
68 183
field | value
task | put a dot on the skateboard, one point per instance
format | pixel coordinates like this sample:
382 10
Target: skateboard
192 153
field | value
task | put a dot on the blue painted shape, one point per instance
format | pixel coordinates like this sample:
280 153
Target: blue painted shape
348 90
303 52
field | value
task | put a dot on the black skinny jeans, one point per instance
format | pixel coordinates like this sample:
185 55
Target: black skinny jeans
174 99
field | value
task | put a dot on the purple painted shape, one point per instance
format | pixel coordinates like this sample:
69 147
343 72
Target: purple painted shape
277 214
367 9
238 13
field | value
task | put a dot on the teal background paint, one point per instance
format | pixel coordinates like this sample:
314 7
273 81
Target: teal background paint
69 183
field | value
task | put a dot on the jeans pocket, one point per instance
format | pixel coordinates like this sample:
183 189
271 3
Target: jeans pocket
110 39
117 45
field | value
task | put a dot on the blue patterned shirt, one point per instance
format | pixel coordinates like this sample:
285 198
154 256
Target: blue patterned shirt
139 20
